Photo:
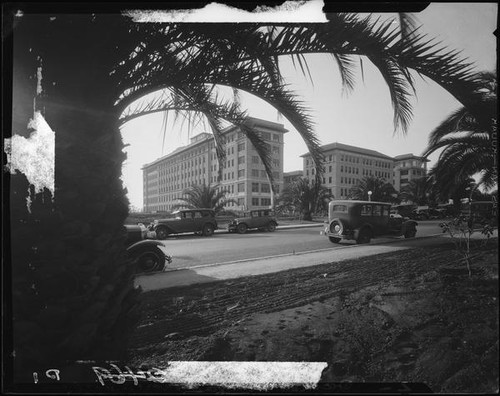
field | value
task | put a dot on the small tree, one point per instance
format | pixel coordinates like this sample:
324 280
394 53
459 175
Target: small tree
382 191
461 229
204 196
308 198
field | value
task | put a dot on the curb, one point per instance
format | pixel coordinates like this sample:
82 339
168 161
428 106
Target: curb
289 254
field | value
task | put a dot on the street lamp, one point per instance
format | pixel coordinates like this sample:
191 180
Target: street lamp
369 195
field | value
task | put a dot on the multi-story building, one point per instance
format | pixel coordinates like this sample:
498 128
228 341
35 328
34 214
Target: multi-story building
289 177
408 167
346 165
243 173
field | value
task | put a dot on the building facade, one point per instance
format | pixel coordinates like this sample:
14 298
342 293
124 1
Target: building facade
243 174
408 167
290 177
346 165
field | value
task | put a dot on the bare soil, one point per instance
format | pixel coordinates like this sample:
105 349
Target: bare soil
411 316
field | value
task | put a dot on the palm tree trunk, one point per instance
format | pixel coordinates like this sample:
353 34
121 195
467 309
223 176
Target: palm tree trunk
73 291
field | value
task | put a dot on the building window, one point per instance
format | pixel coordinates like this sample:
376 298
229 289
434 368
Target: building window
276 137
241 173
241 146
263 174
330 179
241 187
276 163
255 159
265 201
241 201
265 188
241 160
266 135
255 201
255 187
276 150
255 173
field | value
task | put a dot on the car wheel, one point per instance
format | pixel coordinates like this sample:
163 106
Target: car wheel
150 260
208 230
334 240
161 233
242 228
271 227
410 233
364 236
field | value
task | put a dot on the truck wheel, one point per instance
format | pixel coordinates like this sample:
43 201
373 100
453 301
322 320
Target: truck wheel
242 228
151 259
271 227
161 233
334 240
364 236
208 230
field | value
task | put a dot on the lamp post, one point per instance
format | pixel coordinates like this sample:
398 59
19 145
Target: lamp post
369 196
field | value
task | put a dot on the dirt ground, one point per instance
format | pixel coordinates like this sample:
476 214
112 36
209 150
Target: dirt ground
412 316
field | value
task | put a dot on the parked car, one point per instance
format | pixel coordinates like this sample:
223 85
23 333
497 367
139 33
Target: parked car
263 219
147 254
198 221
480 212
421 213
364 220
405 210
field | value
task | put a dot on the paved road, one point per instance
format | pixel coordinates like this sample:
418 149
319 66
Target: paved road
193 251
246 255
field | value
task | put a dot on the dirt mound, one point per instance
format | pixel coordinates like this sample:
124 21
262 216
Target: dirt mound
411 316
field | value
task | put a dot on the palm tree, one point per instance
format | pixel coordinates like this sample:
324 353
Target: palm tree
304 197
467 138
96 68
416 191
382 191
204 196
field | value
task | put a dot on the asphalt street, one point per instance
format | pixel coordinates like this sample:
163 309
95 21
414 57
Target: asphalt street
227 256
192 251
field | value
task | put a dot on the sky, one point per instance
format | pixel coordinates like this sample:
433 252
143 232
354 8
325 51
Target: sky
363 118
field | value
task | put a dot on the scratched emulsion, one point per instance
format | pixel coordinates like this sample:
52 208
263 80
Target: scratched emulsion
309 11
35 156
262 376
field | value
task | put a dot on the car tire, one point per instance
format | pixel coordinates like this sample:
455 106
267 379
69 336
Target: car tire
208 230
271 227
410 233
364 236
242 228
148 260
334 240
161 233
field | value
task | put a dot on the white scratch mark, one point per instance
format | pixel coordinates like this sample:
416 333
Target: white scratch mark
290 11
35 156
260 376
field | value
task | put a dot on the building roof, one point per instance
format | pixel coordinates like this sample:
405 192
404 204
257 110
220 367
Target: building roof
204 136
293 173
410 156
354 149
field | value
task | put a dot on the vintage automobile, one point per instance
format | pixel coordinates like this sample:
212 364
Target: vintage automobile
263 219
364 220
147 254
198 221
